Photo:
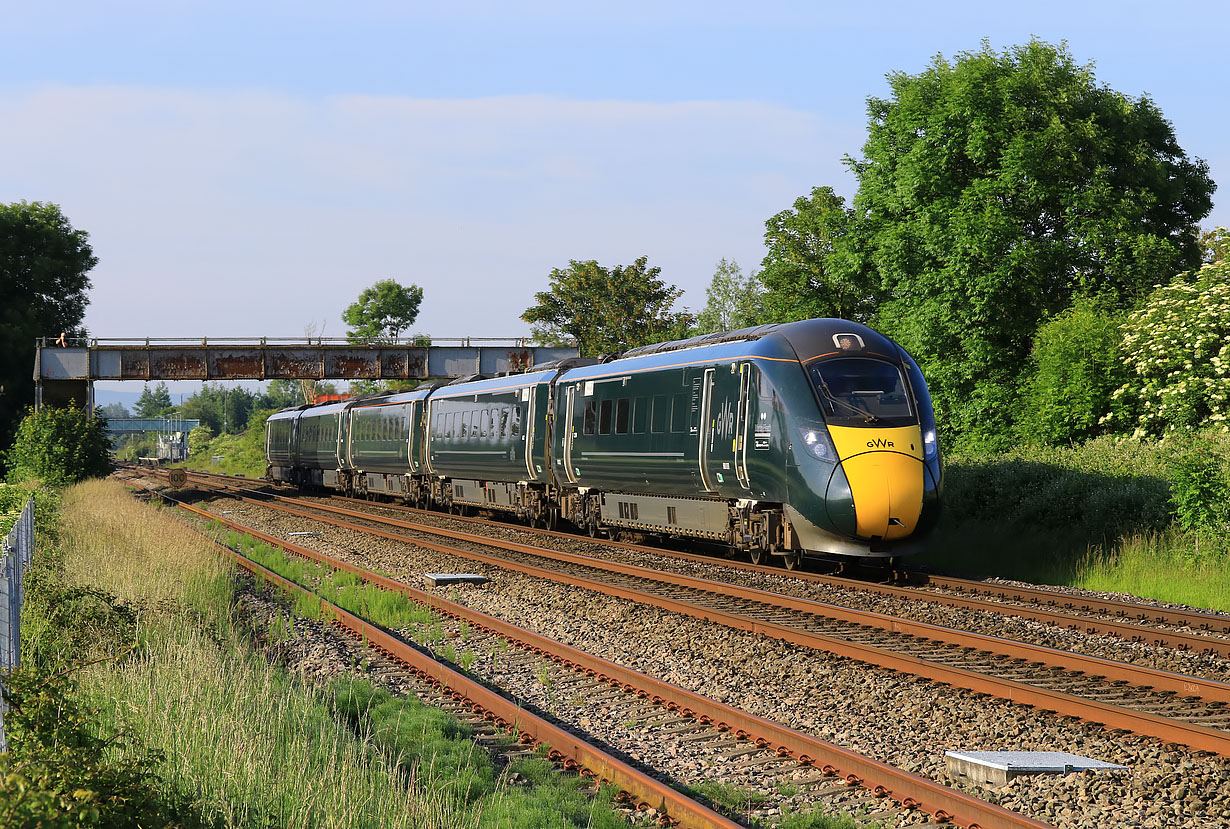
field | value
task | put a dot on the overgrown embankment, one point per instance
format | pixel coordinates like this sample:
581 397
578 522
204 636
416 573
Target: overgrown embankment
143 702
1143 516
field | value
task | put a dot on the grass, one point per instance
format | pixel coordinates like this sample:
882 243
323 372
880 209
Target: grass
237 742
1097 515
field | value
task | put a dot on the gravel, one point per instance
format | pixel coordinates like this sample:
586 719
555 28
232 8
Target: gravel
892 717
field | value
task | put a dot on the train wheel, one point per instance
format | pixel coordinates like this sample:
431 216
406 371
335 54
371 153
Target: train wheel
551 520
592 528
793 560
758 554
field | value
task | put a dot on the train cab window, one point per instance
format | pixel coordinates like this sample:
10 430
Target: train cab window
661 414
679 413
591 417
604 417
622 415
640 412
857 391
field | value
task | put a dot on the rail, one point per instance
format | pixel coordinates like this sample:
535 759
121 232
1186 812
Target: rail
911 790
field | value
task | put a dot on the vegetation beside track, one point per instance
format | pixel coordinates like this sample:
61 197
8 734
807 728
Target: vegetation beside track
1148 517
144 702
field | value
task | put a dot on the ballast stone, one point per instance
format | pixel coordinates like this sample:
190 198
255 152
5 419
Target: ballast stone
996 768
441 579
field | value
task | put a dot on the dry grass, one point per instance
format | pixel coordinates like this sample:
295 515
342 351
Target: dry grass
245 745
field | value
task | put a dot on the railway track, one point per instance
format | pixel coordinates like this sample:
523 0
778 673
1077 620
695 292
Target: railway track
1172 707
704 727
1177 628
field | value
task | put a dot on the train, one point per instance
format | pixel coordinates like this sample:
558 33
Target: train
777 442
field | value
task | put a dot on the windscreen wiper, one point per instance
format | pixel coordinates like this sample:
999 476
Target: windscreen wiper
867 416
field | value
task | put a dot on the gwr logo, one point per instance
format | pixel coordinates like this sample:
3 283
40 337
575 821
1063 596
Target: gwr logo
879 443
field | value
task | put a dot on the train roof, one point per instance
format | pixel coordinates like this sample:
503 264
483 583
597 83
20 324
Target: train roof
511 382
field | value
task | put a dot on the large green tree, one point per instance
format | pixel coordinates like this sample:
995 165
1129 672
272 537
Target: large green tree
812 268
383 311
43 284
994 189
607 309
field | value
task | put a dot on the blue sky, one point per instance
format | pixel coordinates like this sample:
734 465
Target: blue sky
247 168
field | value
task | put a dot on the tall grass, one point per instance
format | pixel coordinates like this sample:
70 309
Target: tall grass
243 743
1097 515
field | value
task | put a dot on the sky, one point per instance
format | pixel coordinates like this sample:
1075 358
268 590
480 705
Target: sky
246 169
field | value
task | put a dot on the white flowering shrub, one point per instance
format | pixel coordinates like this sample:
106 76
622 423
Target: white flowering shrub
1177 352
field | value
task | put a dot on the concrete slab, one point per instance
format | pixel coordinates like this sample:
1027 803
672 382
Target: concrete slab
996 768
440 579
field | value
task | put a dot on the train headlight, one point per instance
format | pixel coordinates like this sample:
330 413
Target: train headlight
817 441
930 447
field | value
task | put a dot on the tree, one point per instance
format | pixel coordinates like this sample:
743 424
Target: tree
156 403
1077 365
732 300
1176 348
58 447
114 410
281 394
383 311
607 309
997 187
811 269
43 267
1214 245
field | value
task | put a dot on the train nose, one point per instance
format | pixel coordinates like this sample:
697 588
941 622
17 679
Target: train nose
885 479
887 490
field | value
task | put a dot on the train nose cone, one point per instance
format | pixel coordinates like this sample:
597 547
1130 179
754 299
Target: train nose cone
884 471
887 488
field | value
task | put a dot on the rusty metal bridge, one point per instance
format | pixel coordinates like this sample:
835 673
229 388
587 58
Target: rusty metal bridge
65 370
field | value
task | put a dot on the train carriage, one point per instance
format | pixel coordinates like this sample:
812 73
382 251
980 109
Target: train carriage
487 443
810 437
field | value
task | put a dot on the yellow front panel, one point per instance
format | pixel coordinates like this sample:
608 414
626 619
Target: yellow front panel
884 468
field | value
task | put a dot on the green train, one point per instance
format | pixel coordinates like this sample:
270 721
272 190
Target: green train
780 441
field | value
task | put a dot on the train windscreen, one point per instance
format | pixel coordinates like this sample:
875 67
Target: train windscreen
856 391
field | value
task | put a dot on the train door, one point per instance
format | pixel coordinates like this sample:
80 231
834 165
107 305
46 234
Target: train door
741 425
723 441
705 430
531 409
570 430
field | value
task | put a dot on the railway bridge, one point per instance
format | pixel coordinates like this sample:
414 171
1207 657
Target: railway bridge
66 369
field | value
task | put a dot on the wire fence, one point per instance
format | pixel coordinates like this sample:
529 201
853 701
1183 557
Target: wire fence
16 550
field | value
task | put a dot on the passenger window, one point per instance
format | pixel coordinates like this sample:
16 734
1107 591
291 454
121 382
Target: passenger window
639 412
604 418
661 414
465 425
483 417
438 431
504 422
516 421
621 415
679 414
591 417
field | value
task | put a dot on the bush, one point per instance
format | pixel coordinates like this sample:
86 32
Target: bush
1177 351
59 771
1077 365
199 439
58 447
